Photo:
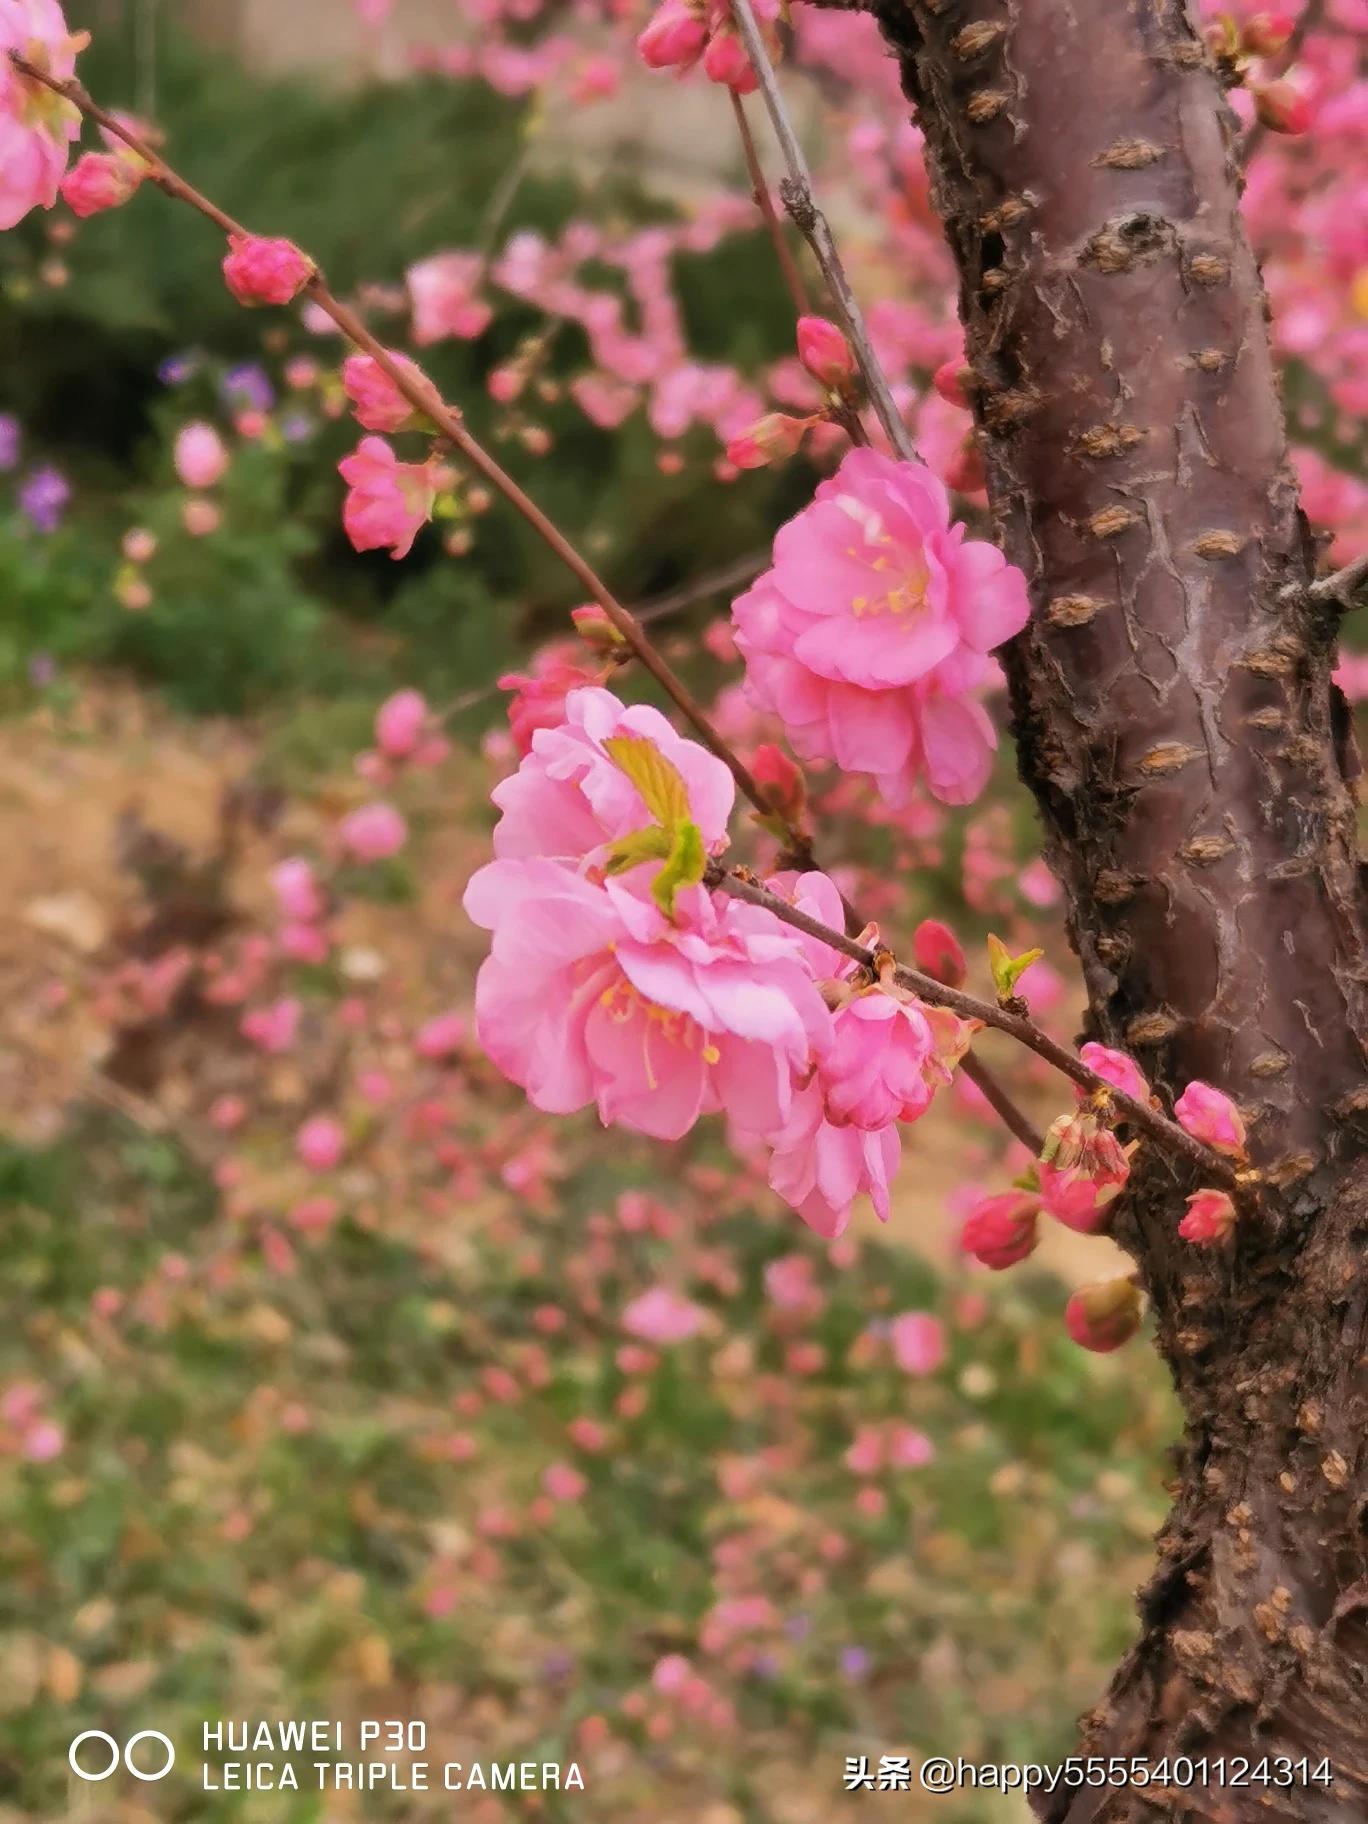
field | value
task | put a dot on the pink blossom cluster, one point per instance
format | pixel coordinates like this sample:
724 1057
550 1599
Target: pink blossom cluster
683 33
869 636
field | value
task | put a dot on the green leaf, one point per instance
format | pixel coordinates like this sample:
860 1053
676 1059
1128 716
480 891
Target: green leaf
684 867
1008 969
659 780
649 844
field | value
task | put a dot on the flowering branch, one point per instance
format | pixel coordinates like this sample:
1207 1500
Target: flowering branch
800 201
424 397
1016 1025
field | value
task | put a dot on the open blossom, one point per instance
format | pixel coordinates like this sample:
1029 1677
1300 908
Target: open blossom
264 269
819 1169
442 291
1209 1114
875 1071
36 125
1210 1218
569 798
871 632
101 180
401 723
538 697
377 403
373 832
200 455
388 501
591 994
1081 1171
1003 1229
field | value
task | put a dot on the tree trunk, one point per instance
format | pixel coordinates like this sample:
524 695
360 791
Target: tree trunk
1192 764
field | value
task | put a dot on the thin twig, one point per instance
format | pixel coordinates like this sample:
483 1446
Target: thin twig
801 202
424 397
1343 585
1001 1103
1018 1026
760 189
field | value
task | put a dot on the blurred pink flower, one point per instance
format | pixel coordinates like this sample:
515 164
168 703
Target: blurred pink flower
261 269
388 501
662 1317
918 1341
373 832
320 1143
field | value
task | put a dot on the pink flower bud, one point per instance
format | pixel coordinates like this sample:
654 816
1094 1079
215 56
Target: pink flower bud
373 833
999 1231
1081 1171
674 37
1116 1068
1282 107
951 379
377 403
1101 1317
773 438
726 60
1266 34
1209 1220
1209 1114
936 952
387 500
100 180
260 270
781 779
400 722
296 891
320 1143
441 1036
965 472
596 630
200 455
825 353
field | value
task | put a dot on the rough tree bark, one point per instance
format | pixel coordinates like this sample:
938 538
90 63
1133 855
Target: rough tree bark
1190 757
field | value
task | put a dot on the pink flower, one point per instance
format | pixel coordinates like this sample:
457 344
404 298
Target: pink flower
1001 1230
1103 1316
1210 1218
590 994
259 269
662 1317
400 723
918 1341
441 1036
100 180
563 1482
297 891
569 797
36 125
200 455
1081 1171
373 832
726 60
388 501
674 36
377 403
1209 1114
819 1170
320 1143
875 1072
44 1441
873 627
539 696
825 353
442 292
1113 1067
272 1028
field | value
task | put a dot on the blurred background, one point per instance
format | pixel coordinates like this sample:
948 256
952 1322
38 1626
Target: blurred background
572 1447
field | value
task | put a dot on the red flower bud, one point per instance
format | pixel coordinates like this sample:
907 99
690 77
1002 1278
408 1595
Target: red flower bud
1101 1317
595 629
1266 34
781 780
965 472
1281 106
1209 1220
773 438
999 1231
825 353
259 269
937 952
952 380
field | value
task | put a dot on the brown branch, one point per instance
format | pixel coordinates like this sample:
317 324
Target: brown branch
424 397
1342 586
760 189
1019 1026
1013 1119
801 203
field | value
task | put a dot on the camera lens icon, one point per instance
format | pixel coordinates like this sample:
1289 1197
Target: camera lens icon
117 1754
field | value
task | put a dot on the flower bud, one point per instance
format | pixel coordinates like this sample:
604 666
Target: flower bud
1081 1171
1101 1317
261 270
965 472
952 379
999 1231
1116 1068
100 180
773 438
825 353
1266 34
727 60
936 951
1209 1220
596 630
1209 1115
1281 106
674 37
781 779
